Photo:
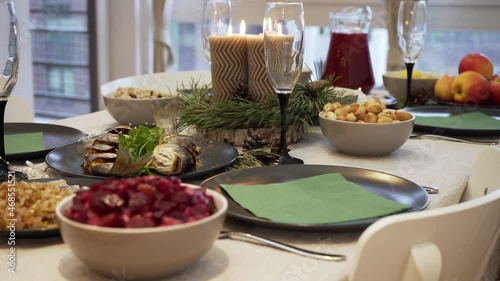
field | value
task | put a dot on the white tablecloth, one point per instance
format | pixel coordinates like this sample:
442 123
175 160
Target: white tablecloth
443 164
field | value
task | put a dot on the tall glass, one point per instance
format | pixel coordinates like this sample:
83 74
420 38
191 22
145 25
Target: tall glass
9 59
412 16
216 20
283 49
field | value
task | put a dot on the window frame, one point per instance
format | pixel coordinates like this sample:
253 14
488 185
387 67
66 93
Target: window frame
443 14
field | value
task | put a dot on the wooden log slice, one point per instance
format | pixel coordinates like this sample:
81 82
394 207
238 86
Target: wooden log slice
239 137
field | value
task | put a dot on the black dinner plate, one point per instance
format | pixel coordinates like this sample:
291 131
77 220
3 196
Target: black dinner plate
53 136
445 111
441 102
386 185
214 155
52 231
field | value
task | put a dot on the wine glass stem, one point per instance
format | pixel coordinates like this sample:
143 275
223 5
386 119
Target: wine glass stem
3 104
283 100
409 71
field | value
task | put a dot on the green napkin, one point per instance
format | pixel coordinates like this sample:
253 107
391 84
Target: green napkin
471 120
21 143
327 198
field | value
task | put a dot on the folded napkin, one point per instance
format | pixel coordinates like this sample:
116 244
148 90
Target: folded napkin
471 120
21 143
327 198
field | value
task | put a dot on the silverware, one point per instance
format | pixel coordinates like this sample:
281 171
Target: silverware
6 172
455 139
94 136
282 246
431 189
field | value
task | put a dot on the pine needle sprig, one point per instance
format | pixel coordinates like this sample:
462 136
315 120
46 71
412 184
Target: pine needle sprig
198 110
257 157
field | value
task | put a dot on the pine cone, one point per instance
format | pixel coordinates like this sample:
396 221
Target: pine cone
317 86
258 141
242 91
419 97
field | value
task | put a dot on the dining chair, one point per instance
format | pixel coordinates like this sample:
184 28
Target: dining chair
484 177
451 243
18 110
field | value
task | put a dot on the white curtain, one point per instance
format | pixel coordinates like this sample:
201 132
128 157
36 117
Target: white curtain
394 60
162 53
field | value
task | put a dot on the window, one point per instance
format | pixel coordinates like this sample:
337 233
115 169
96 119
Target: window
455 28
444 49
60 42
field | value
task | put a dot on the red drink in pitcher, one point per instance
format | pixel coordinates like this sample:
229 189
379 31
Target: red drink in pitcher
349 59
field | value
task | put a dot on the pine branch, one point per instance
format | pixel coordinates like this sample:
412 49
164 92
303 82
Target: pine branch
198 110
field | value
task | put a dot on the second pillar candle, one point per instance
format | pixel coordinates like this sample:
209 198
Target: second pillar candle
259 86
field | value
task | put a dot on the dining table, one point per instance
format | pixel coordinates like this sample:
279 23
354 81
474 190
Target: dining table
428 162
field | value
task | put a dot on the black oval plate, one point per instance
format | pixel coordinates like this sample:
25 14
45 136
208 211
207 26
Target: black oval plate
53 136
446 103
386 185
52 231
214 155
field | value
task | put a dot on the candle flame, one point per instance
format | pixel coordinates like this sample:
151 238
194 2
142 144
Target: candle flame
229 30
242 27
267 25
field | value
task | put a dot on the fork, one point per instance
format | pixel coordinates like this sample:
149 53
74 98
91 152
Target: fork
94 136
455 139
279 245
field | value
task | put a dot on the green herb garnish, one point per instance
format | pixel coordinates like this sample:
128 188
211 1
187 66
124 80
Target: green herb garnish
141 141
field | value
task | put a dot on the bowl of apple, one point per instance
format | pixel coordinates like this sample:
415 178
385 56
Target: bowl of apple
475 84
149 227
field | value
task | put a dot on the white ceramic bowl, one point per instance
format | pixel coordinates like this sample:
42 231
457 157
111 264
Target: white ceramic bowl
132 112
396 85
143 253
366 139
139 111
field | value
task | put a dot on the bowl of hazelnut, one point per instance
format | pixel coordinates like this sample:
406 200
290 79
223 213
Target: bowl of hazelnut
368 129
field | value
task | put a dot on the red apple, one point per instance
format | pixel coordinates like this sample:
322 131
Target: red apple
495 89
442 88
471 88
476 62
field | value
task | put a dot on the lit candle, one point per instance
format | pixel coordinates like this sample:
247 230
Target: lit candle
243 27
259 86
229 64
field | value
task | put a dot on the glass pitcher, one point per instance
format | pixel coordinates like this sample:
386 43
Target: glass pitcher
348 56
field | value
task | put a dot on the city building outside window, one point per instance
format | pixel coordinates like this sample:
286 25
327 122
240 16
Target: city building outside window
61 53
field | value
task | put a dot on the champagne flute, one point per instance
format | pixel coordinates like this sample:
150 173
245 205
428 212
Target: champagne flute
411 30
9 59
216 20
283 49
